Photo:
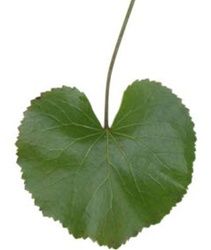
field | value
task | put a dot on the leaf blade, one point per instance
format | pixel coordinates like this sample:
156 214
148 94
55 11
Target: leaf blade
107 184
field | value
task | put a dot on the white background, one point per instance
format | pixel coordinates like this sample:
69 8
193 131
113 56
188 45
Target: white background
47 43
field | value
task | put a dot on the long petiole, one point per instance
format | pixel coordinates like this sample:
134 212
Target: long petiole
113 58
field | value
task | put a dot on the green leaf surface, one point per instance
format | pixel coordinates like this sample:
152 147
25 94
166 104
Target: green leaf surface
107 184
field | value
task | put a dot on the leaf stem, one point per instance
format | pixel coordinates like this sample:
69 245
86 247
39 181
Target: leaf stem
113 58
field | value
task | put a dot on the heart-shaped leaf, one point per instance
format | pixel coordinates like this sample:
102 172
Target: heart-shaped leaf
107 184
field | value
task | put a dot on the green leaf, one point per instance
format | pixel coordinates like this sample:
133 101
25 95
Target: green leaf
107 184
